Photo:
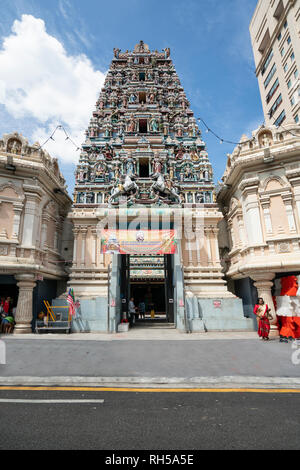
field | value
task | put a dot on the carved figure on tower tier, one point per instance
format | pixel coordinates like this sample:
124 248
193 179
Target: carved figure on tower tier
117 52
132 98
131 125
153 125
151 96
157 166
122 143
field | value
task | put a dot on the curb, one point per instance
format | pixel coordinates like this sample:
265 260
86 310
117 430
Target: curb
225 382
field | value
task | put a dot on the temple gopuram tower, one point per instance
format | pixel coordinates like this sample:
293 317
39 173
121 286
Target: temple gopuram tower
144 214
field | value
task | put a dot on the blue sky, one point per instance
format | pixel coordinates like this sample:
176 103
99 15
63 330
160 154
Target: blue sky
60 64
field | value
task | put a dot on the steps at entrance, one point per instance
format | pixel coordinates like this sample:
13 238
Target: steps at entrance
154 325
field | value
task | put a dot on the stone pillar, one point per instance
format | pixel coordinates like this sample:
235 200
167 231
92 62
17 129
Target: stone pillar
23 317
251 211
263 283
30 220
288 201
265 204
75 232
83 245
207 245
44 232
94 247
17 218
241 228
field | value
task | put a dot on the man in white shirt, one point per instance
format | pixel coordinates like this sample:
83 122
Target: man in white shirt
132 309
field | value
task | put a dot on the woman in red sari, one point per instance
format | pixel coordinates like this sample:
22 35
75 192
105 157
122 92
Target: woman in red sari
261 310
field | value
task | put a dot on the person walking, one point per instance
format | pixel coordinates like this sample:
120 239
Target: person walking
142 309
132 309
262 312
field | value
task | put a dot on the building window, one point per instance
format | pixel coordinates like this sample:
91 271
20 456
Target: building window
289 84
273 90
144 168
285 67
268 60
143 126
296 118
142 97
282 52
270 76
280 119
285 25
288 40
275 106
279 36
293 101
292 56
296 73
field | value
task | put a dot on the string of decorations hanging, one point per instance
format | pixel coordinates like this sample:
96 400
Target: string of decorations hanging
51 137
222 140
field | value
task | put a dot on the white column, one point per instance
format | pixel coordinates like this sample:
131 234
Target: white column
94 247
17 218
217 246
23 317
287 199
208 248
265 204
251 210
198 245
44 233
75 232
83 246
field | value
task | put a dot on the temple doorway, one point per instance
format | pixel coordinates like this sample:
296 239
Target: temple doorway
149 281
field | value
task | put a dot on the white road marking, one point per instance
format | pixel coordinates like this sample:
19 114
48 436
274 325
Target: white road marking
13 400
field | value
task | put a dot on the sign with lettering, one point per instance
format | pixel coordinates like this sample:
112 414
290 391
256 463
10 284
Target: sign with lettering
217 303
139 242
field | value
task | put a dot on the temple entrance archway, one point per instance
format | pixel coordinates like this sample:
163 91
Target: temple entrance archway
148 280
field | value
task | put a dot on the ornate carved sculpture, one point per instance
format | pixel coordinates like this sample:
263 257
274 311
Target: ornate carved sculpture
108 164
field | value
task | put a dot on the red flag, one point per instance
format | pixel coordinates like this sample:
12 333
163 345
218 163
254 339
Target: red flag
70 301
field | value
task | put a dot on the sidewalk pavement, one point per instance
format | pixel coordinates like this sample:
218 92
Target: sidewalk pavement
162 358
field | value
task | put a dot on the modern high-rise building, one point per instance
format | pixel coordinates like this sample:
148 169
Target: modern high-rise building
275 36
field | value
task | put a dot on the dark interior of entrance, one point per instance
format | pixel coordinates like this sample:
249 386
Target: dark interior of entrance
143 126
153 295
144 168
156 293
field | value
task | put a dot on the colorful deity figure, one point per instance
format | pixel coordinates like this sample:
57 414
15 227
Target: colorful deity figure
208 198
131 125
125 101
157 166
130 166
153 125
180 153
151 97
199 198
167 52
108 153
132 98
194 156
81 175
186 155
117 52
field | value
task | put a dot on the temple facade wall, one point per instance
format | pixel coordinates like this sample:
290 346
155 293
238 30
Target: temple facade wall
259 196
35 234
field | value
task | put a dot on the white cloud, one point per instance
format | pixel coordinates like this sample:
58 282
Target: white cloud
40 81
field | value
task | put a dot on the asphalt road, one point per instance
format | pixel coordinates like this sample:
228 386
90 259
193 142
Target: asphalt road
249 357
160 421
